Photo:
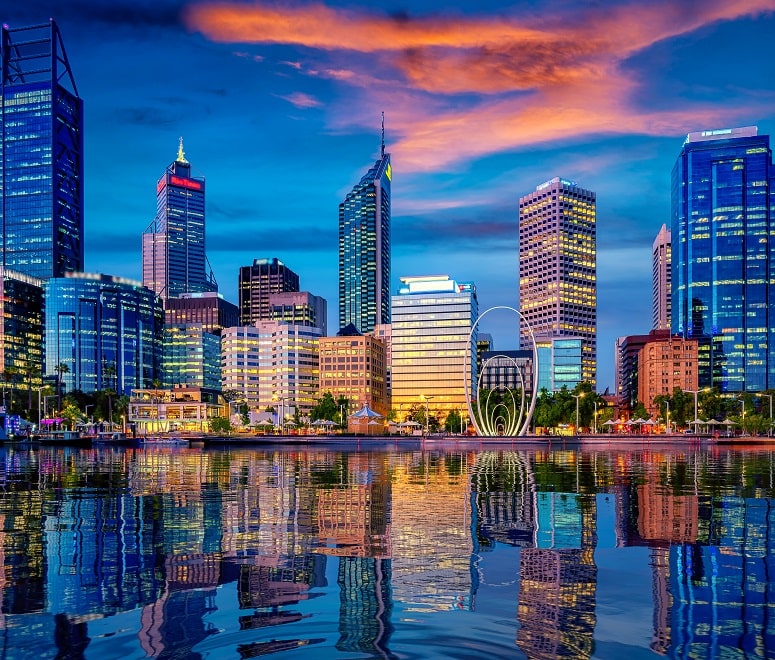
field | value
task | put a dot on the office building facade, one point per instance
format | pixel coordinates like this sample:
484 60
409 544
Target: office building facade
105 331
364 249
723 273
209 309
191 356
353 365
257 282
560 362
174 259
558 267
272 364
300 308
665 363
21 329
661 280
433 358
41 155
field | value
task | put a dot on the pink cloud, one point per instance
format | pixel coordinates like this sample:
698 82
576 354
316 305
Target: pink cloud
457 88
302 100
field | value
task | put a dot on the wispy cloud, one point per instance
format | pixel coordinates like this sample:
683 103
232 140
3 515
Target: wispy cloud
459 87
302 100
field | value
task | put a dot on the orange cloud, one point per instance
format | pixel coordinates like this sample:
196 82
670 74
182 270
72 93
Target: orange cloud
458 87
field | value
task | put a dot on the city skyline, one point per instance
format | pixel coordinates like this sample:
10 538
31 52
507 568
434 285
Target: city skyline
474 120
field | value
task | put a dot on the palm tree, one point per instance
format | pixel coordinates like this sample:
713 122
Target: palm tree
61 368
109 372
32 372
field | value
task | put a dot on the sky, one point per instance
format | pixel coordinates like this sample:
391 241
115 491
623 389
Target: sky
279 106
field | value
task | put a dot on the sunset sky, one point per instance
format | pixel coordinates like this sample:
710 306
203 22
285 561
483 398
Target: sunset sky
279 107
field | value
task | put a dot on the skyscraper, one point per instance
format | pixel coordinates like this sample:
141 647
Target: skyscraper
432 321
174 260
558 267
41 155
661 279
257 282
364 248
724 258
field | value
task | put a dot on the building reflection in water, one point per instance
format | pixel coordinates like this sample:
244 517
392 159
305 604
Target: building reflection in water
88 535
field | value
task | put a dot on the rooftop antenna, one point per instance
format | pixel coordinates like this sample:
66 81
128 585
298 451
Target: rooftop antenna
181 154
383 134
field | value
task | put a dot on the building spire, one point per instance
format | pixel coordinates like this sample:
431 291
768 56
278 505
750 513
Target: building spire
181 154
383 134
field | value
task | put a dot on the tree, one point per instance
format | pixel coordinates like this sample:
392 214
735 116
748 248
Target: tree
325 408
454 422
220 425
639 411
60 369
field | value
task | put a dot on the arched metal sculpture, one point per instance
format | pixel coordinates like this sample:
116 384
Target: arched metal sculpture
501 416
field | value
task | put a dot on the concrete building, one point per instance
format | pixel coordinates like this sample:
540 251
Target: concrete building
661 280
301 308
663 364
558 267
209 309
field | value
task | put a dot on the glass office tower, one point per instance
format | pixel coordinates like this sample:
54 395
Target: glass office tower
174 260
106 331
364 249
257 283
558 267
432 321
41 155
724 256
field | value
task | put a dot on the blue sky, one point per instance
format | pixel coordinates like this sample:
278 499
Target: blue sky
279 106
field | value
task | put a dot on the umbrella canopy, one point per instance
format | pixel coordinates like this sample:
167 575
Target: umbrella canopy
264 422
650 422
610 422
694 422
728 422
712 421
411 422
366 412
640 420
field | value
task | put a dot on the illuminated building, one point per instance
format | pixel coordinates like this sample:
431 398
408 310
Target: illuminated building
558 267
300 308
364 249
560 362
21 328
174 260
661 259
192 356
723 273
41 155
272 364
353 365
106 331
209 308
181 408
257 283
432 320
384 331
665 363
503 368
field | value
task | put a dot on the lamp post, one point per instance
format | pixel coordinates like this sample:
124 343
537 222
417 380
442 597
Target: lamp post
594 419
667 416
577 397
86 410
696 412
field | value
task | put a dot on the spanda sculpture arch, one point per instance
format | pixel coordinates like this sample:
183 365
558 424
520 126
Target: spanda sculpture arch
501 419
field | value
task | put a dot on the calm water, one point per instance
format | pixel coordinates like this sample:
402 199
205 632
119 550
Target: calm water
178 553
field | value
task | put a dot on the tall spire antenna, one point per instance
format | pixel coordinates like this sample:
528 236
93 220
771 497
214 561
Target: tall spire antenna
383 134
181 154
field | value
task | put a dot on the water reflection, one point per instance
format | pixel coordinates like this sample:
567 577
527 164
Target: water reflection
562 554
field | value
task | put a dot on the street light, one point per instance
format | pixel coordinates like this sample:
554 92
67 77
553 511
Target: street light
577 397
667 416
594 419
696 412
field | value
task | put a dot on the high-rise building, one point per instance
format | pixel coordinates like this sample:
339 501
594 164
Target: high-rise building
723 273
192 356
102 332
273 364
431 350
664 364
560 362
210 309
364 249
174 259
21 329
41 155
353 365
661 279
257 283
558 267
299 307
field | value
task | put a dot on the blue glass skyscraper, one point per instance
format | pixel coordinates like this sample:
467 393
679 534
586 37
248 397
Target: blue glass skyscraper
723 272
364 249
41 155
174 260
